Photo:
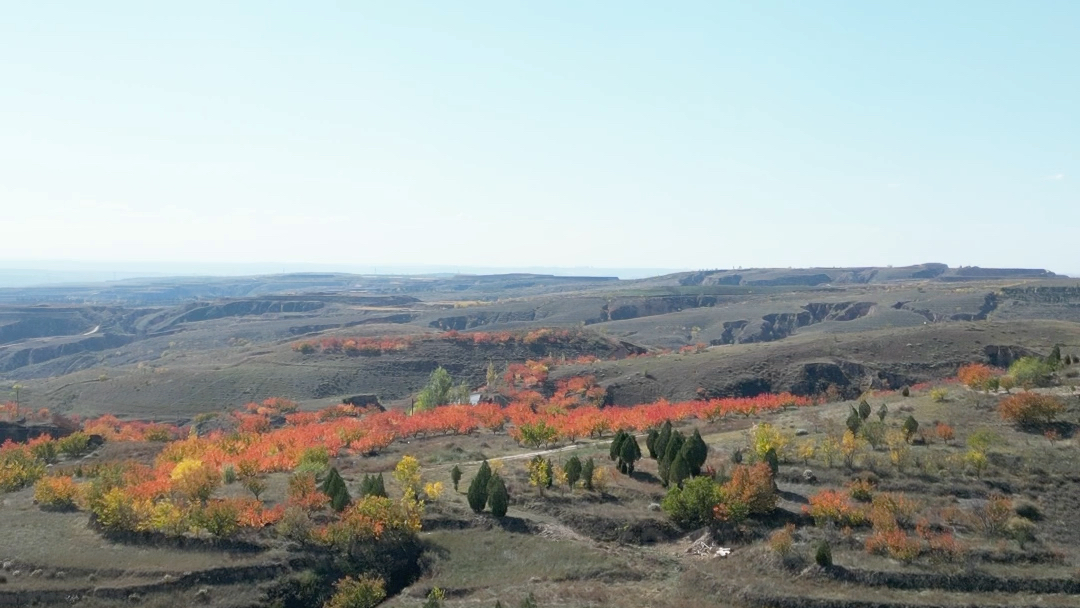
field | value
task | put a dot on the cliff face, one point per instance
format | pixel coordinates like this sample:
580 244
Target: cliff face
777 326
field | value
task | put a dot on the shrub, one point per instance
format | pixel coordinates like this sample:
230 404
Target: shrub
905 391
220 518
364 592
1027 409
995 514
56 492
944 432
18 467
588 474
692 505
75 444
765 437
896 543
833 506
1028 510
749 490
455 476
939 395
783 540
1021 529
255 485
861 490
823 554
1006 383
295 524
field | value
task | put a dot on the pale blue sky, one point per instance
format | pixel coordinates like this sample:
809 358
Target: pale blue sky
696 134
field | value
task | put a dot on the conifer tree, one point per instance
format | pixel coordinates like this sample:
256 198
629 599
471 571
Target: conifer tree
629 453
455 476
864 409
695 452
650 442
478 489
587 470
499 498
662 440
334 487
572 468
616 444
679 470
671 449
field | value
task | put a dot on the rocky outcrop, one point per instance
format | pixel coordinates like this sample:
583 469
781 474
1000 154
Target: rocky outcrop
14 358
777 326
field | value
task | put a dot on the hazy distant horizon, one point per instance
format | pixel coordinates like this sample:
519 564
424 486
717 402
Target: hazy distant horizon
17 274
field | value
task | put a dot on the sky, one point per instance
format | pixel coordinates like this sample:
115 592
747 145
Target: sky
554 134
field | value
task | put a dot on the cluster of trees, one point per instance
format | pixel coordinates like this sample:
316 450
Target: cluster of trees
361 345
678 458
488 489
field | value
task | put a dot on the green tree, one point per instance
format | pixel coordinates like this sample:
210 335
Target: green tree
587 470
691 506
492 376
884 410
1054 360
629 453
498 497
455 476
772 460
478 489
334 487
679 470
373 485
864 409
1030 371
440 390
662 439
671 449
854 421
695 452
911 426
650 442
572 468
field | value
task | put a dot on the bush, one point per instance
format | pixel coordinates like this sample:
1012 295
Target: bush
1021 529
975 375
1028 409
220 518
56 492
455 476
363 592
783 540
75 444
1028 510
939 395
691 506
18 467
823 554
749 492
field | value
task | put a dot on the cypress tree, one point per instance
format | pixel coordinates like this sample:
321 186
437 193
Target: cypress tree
911 426
672 448
587 473
455 476
773 461
373 485
662 439
499 498
678 471
629 453
478 489
616 445
650 442
573 471
550 470
1055 357
864 409
695 451
334 487
854 422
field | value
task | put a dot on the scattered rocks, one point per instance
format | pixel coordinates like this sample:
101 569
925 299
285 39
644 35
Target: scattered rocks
90 578
801 432
134 598
60 574
168 578
36 573
15 573
7 565
203 594
808 476
654 506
